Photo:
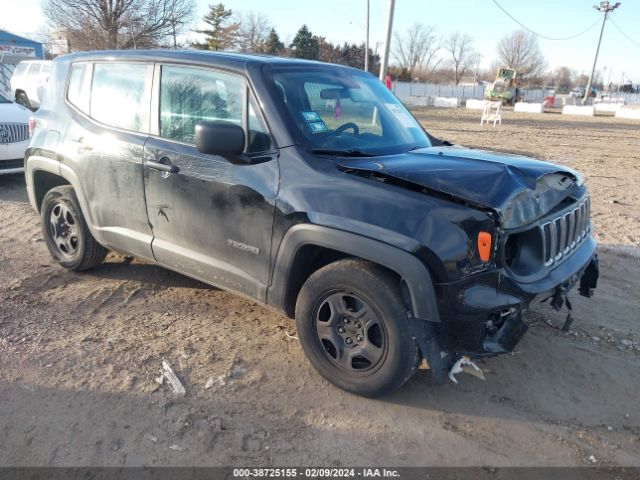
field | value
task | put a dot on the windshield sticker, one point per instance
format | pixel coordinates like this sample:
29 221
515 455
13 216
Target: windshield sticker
311 116
317 127
403 117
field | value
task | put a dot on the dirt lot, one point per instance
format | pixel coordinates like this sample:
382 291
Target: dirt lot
79 353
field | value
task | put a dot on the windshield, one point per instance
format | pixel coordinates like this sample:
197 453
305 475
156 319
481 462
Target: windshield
340 110
4 100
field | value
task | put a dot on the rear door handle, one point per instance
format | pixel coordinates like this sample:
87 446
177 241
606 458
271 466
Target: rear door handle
163 167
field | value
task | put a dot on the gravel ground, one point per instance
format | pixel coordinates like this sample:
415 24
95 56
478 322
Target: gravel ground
80 353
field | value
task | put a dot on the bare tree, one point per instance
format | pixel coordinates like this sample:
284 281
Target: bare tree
416 50
113 24
520 50
462 56
253 31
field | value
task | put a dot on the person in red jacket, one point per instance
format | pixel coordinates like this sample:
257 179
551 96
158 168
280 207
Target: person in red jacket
387 81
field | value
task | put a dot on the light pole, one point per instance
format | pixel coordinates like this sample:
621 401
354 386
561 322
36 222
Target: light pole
387 41
366 42
173 25
604 7
475 74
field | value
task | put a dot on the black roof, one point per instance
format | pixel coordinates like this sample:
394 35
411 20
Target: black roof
228 59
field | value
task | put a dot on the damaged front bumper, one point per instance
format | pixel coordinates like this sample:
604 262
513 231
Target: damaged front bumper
482 315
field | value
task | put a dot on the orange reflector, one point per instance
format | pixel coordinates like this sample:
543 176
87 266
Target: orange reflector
484 246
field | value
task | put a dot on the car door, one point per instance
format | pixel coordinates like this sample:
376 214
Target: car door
103 144
211 218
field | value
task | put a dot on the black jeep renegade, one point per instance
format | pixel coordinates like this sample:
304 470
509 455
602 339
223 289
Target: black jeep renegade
310 188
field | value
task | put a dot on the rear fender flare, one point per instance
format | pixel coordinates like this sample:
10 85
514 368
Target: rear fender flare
39 163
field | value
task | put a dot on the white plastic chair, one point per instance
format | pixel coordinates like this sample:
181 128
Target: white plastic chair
488 115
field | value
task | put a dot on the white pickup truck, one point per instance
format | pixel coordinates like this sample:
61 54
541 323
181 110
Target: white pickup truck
29 82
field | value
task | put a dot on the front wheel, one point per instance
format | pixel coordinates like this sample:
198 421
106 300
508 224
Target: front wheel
66 233
353 326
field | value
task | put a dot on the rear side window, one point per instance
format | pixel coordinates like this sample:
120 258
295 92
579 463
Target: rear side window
118 94
79 88
191 95
35 69
20 69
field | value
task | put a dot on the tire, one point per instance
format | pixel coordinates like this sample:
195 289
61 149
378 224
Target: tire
22 99
354 328
66 233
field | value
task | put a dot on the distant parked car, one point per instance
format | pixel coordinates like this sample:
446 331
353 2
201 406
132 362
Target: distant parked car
577 92
14 136
549 99
29 82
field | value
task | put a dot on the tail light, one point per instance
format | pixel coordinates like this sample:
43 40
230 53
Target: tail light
484 246
32 126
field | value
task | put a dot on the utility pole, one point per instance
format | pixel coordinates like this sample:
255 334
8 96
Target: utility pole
605 7
366 42
387 41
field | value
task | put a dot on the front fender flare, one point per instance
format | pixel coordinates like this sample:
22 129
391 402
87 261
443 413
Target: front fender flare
412 271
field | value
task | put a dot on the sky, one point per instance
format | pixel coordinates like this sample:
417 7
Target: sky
344 20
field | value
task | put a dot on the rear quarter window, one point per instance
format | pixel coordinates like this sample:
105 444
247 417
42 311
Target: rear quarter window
79 87
20 69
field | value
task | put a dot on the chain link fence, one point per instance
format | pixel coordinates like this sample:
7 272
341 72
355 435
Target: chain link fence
404 90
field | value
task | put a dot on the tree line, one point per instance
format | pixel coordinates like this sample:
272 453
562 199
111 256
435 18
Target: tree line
253 32
421 53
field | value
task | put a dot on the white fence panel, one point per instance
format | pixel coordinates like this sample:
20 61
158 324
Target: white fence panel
578 110
626 112
528 107
473 104
446 102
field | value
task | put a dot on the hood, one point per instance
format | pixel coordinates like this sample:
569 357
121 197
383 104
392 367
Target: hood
517 188
14 113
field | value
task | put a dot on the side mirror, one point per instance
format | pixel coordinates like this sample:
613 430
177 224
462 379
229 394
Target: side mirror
220 138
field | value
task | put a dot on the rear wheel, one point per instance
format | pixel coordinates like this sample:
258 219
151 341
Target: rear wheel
353 326
66 233
22 99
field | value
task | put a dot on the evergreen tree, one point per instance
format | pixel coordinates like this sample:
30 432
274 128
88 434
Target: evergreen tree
305 44
273 45
223 32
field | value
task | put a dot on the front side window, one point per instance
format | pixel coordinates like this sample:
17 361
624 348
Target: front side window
191 95
340 110
118 94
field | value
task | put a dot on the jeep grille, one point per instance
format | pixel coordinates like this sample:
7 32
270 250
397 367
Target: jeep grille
565 232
